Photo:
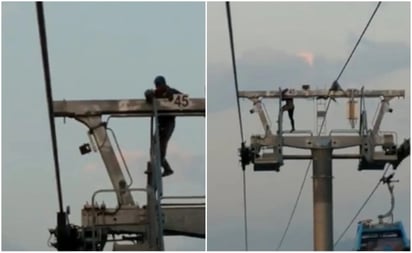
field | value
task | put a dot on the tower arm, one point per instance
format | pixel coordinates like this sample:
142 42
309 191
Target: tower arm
99 132
257 107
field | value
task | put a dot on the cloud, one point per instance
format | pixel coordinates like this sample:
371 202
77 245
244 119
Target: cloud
188 179
91 167
265 68
178 152
308 57
130 156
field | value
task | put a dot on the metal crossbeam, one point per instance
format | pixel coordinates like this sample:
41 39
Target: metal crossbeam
310 157
349 93
126 108
188 220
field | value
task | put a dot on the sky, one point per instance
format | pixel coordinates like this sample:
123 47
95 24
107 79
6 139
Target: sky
288 44
96 51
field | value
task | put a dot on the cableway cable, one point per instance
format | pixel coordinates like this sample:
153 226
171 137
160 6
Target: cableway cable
361 208
229 20
232 47
359 40
49 95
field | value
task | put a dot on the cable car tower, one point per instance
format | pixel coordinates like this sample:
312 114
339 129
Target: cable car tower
266 151
145 224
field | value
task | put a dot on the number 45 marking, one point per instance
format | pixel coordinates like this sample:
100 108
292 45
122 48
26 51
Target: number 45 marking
181 100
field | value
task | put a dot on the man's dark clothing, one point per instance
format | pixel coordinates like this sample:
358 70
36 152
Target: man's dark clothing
166 126
290 107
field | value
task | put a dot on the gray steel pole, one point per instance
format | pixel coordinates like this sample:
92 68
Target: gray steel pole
322 199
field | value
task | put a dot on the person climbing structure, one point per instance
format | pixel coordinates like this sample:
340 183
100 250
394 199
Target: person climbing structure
290 107
166 123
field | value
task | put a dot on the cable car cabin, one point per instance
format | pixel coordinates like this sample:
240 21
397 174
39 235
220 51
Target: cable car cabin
381 237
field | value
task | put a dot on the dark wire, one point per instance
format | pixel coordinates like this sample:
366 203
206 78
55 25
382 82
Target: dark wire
49 94
245 210
360 38
344 66
232 47
361 208
320 130
294 207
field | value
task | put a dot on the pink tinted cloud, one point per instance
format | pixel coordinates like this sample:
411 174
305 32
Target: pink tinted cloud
177 155
131 156
178 152
91 167
189 168
307 57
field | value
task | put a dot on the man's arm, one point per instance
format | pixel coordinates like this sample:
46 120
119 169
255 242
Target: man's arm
149 94
283 94
174 91
170 92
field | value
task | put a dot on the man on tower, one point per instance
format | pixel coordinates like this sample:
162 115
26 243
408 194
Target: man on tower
166 123
290 107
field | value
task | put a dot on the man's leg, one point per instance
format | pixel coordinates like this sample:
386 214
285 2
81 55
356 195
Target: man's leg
163 140
165 134
292 121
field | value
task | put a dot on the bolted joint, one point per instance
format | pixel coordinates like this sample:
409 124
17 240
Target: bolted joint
388 179
122 186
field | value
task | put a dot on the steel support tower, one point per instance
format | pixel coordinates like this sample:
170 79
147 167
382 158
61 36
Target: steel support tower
266 151
143 225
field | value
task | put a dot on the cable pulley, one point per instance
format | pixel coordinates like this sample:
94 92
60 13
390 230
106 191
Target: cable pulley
246 155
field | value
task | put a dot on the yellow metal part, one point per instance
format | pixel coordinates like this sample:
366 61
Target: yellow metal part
352 112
